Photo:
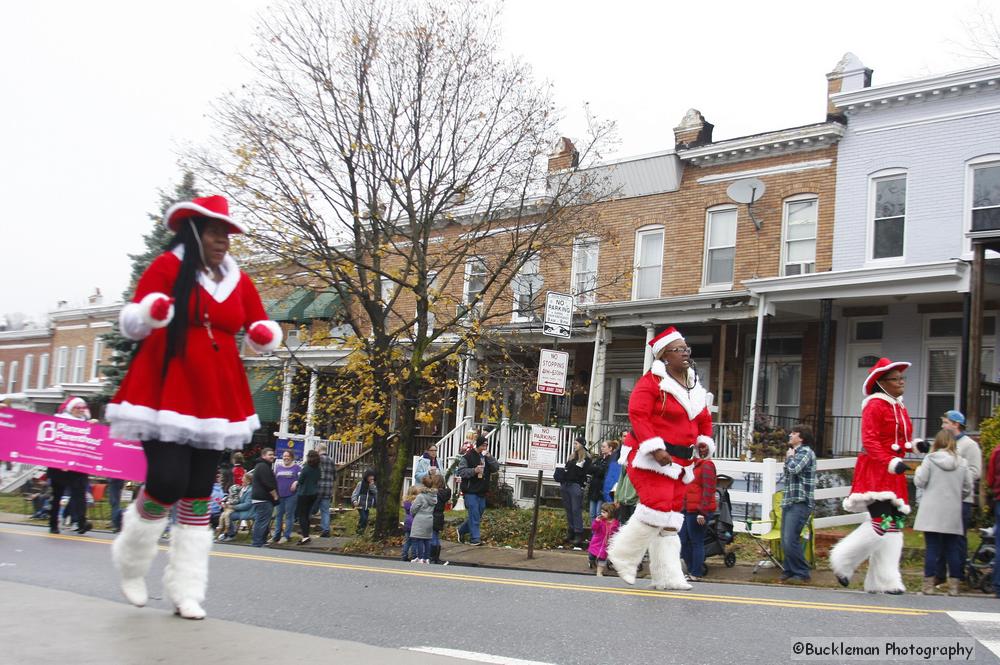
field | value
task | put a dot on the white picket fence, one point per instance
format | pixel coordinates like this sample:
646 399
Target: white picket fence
770 471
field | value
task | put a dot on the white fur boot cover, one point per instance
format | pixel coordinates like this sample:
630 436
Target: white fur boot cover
665 562
627 547
852 550
186 575
883 566
132 552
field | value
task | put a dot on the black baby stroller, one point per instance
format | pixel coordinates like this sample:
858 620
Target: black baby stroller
979 566
719 532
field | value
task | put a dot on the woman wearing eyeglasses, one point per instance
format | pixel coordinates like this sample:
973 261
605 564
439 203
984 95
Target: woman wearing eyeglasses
669 414
879 484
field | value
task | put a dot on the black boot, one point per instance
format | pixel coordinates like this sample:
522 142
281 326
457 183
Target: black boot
435 554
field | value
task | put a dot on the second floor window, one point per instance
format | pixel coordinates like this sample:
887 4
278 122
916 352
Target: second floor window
888 216
986 197
585 254
95 363
62 364
527 284
43 370
475 282
648 264
720 247
29 361
799 248
79 363
12 377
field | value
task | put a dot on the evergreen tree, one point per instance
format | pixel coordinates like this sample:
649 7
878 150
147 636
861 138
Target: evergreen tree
155 240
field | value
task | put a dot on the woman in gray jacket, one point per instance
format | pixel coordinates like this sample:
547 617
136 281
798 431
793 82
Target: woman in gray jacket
944 478
422 511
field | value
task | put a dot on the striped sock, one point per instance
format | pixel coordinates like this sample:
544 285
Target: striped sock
193 512
877 526
150 508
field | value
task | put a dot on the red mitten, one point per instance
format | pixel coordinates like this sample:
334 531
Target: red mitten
260 334
160 310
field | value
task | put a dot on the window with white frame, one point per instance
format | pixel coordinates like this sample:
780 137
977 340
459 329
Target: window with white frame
526 285
43 370
29 361
3 366
799 232
432 294
648 263
888 206
95 363
985 197
720 246
62 364
475 282
779 382
12 377
942 363
79 363
585 254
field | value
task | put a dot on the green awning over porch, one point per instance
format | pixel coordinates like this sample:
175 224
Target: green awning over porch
325 306
265 387
291 307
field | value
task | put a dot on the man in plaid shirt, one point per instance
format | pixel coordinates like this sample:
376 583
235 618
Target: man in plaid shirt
798 502
327 477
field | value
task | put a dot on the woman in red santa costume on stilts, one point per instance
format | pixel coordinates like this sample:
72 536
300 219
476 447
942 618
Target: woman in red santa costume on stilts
879 484
186 395
669 413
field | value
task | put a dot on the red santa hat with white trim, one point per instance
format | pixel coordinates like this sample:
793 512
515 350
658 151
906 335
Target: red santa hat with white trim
660 342
213 207
71 403
880 369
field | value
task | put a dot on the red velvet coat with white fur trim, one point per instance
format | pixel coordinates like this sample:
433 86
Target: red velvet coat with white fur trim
886 436
662 411
203 399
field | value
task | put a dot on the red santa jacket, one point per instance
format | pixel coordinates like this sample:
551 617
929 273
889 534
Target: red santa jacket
662 411
886 436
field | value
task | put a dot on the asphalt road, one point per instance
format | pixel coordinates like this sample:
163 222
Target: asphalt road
366 606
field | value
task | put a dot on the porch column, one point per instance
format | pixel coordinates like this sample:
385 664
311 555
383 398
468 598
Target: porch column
595 403
975 335
311 411
963 379
460 390
648 352
720 391
504 441
752 416
286 396
823 369
471 369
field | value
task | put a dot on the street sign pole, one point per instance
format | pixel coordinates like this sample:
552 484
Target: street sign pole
538 484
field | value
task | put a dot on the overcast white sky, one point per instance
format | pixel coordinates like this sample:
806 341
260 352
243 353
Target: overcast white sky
99 97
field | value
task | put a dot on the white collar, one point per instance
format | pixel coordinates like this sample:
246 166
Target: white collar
218 290
895 401
694 401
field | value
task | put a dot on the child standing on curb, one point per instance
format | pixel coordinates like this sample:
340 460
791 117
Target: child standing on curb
415 489
422 512
601 530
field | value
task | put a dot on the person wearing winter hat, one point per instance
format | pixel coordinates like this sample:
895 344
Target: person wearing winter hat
186 395
75 482
669 413
954 421
879 484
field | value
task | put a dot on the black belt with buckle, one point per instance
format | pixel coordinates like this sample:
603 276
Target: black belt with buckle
683 452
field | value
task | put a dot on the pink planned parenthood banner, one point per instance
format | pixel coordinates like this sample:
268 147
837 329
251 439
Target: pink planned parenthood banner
64 443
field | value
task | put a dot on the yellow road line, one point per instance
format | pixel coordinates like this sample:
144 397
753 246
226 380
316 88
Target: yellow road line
560 586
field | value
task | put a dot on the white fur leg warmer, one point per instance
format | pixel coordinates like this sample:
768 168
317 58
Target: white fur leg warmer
883 565
186 575
627 547
665 562
132 552
848 554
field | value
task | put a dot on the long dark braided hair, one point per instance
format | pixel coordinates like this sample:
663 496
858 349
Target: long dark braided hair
187 281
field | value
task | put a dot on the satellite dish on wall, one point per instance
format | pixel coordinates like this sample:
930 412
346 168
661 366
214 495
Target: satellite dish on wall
748 191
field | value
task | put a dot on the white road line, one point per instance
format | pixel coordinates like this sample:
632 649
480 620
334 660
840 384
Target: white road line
983 626
478 657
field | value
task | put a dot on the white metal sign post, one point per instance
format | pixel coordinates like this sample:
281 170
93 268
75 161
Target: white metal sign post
552 369
558 315
542 450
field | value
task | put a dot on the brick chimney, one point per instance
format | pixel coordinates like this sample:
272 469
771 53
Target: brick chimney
693 131
849 75
95 298
564 156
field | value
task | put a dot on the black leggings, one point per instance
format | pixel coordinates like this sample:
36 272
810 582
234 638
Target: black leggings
879 508
175 471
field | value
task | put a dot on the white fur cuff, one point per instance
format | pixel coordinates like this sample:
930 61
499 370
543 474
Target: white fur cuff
650 445
688 474
660 518
707 440
275 340
146 305
623 455
894 464
648 463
